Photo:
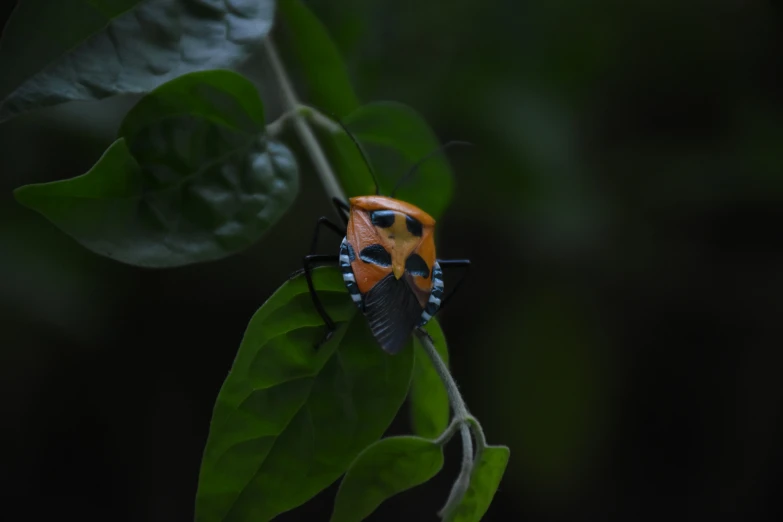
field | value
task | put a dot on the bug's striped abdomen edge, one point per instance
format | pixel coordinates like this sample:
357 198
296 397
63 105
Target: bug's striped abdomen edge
433 304
347 255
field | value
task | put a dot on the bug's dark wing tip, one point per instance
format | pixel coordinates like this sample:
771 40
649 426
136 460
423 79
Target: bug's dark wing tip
392 311
395 347
392 334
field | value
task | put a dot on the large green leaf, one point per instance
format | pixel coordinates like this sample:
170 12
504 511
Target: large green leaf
394 137
192 178
484 482
289 420
428 398
388 467
58 51
324 76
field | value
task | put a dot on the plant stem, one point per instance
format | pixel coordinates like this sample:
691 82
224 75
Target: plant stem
275 128
455 398
478 432
462 483
461 417
292 105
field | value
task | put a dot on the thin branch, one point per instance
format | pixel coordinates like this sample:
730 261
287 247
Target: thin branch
461 413
275 128
461 417
462 483
292 105
478 432
446 436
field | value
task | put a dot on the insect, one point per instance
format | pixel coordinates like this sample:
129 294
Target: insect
387 259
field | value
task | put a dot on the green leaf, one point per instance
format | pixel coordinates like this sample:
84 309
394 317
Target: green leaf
394 137
289 420
388 467
192 178
428 398
324 75
54 52
484 482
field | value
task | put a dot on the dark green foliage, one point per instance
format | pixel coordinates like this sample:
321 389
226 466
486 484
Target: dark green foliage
289 420
191 178
383 470
392 135
395 137
325 78
53 52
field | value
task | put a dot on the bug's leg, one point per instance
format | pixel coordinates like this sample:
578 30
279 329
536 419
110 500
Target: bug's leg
454 263
342 208
308 263
324 222
307 266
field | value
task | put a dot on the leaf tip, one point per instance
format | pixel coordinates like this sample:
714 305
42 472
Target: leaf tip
22 194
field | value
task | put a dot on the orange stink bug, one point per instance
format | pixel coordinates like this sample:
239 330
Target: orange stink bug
387 259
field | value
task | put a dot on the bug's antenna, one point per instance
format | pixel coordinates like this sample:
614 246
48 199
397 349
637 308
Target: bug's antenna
425 158
361 151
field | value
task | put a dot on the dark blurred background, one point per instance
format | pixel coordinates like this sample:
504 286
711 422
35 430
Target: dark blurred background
621 328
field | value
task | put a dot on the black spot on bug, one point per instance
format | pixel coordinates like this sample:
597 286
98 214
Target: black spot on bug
437 292
417 266
414 226
431 308
376 255
382 218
